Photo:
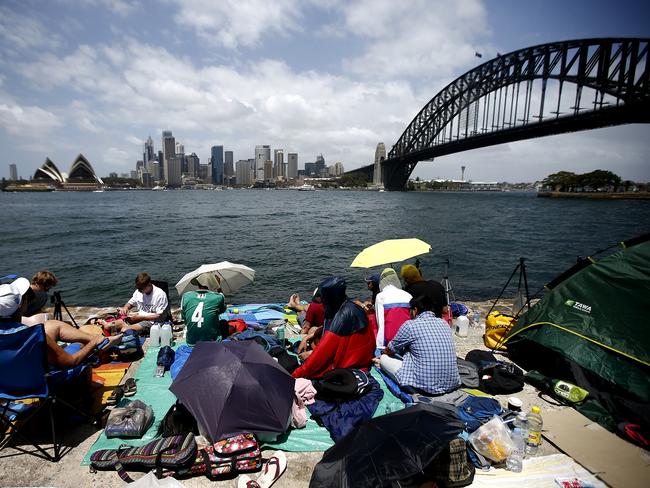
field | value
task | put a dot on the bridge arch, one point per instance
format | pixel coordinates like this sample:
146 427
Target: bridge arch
537 91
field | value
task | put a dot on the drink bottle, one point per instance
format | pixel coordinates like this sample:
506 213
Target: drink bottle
535 423
154 336
166 335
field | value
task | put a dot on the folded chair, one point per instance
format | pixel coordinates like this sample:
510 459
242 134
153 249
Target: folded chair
29 389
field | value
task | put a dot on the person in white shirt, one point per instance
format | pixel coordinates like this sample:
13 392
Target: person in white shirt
149 303
391 307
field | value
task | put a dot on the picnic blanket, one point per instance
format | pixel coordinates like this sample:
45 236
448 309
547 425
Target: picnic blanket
261 313
105 378
155 392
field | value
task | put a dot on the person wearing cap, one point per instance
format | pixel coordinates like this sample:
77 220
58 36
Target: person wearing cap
391 307
149 302
372 282
417 287
428 352
201 308
10 318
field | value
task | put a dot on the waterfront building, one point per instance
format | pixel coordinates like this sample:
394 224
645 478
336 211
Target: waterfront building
380 155
338 169
49 173
148 154
155 170
82 176
216 155
169 152
174 173
244 171
310 169
228 164
193 165
278 163
292 166
319 165
147 180
134 174
268 170
13 172
205 173
262 154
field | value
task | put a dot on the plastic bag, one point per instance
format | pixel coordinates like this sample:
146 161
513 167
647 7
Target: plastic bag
492 440
129 421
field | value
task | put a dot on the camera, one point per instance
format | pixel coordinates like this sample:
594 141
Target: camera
56 298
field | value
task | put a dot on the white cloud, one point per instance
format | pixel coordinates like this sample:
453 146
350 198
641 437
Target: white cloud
418 38
27 120
234 23
118 157
122 8
20 33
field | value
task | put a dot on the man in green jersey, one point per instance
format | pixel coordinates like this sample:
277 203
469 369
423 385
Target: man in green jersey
201 309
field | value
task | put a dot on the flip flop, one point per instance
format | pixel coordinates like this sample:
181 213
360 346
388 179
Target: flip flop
273 469
116 396
130 388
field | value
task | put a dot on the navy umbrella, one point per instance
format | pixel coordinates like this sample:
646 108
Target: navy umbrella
234 387
386 449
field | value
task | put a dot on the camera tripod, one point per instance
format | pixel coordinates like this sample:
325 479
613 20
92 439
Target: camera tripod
58 313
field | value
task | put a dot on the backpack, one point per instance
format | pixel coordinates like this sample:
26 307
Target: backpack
173 453
475 411
342 385
497 326
451 468
178 420
502 378
237 454
468 372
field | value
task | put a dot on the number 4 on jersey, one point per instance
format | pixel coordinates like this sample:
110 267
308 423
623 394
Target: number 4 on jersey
197 316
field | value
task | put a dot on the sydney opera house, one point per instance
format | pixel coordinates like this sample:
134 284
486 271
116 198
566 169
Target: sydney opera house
81 177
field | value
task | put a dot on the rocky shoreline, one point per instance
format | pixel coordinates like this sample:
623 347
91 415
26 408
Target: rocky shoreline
25 470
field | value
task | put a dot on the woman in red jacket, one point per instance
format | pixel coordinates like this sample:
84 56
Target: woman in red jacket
347 342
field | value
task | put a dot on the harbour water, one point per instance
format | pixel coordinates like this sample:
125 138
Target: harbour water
97 242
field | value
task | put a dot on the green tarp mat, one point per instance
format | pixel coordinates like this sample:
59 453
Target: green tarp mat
155 392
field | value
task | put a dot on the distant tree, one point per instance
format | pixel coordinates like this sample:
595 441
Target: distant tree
600 179
353 180
116 182
560 181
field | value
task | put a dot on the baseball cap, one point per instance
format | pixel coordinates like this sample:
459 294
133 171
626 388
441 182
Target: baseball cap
373 278
10 296
206 279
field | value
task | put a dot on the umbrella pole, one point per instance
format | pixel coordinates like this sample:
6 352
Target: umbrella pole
449 294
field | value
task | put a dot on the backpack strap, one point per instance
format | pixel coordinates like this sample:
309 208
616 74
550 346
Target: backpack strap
122 472
158 463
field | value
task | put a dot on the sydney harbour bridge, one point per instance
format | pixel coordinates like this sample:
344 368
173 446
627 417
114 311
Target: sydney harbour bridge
538 91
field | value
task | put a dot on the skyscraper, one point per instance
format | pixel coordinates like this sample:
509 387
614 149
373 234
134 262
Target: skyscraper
262 154
292 166
216 154
169 151
149 154
228 167
319 165
268 170
13 172
193 165
278 163
380 155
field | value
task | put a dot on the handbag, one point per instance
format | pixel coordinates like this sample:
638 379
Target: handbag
497 326
236 454
129 421
172 453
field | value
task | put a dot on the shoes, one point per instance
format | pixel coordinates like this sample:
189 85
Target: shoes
130 388
273 469
116 396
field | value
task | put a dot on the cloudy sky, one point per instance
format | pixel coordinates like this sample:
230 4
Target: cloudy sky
309 76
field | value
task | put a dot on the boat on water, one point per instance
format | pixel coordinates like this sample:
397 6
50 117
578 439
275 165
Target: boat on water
158 188
307 187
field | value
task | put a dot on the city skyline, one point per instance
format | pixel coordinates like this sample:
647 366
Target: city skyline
335 78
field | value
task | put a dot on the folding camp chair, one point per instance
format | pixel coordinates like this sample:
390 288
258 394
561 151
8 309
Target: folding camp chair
29 389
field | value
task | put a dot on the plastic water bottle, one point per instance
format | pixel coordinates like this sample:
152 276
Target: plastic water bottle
462 326
535 424
154 336
166 335
515 461
476 322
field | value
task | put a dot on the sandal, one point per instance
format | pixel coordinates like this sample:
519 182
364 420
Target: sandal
130 388
116 396
273 469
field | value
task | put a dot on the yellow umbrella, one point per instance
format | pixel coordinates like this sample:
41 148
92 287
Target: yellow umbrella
390 251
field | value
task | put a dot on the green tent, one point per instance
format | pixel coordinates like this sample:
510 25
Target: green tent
592 328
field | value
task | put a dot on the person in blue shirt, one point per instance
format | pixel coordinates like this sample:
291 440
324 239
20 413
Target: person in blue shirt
428 365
